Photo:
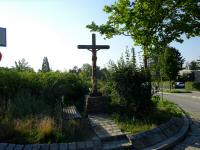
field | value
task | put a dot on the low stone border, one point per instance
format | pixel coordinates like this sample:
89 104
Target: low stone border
162 137
94 144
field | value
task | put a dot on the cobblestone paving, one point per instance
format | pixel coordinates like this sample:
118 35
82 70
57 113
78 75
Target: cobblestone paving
104 126
192 141
109 133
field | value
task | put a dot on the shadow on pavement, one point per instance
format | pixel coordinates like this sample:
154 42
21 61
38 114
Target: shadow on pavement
192 140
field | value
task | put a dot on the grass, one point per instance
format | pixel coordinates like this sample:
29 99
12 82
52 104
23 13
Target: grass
163 111
45 129
78 130
29 130
32 130
177 91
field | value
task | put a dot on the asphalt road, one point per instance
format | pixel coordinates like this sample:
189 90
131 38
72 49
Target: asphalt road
190 102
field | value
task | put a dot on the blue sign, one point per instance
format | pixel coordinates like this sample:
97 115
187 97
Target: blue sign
3 37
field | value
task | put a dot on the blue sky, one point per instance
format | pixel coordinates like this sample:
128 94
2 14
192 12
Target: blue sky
54 28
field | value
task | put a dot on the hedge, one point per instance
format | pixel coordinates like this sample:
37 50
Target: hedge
38 92
195 86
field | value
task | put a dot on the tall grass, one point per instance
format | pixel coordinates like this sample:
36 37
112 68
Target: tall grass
27 130
43 129
46 128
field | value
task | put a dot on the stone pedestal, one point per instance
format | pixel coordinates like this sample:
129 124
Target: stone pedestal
96 104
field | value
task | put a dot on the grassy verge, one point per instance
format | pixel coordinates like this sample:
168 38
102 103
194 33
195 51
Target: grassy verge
163 111
177 91
43 130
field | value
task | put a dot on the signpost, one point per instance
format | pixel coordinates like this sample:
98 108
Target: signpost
0 56
2 39
94 48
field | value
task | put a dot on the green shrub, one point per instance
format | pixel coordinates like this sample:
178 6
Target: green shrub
192 86
134 88
129 86
6 130
25 93
165 84
24 104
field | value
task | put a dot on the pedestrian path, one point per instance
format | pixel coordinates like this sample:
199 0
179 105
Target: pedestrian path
108 132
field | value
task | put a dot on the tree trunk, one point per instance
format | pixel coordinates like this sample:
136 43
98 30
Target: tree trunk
145 62
170 85
145 57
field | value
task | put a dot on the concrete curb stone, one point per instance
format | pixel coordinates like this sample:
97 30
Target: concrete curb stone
168 143
162 137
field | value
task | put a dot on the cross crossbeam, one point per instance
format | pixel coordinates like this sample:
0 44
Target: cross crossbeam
97 47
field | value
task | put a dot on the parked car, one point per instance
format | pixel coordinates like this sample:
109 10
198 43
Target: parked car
180 85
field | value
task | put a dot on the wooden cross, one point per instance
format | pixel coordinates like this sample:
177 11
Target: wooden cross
94 48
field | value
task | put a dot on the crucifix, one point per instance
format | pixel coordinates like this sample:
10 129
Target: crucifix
94 48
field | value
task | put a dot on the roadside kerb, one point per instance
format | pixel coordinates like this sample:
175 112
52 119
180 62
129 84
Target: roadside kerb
172 141
164 136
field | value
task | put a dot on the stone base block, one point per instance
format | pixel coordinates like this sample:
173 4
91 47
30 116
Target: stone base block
96 104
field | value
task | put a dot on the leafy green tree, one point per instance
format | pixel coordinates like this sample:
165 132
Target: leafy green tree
75 70
193 65
86 71
151 24
22 65
45 65
128 59
198 61
171 63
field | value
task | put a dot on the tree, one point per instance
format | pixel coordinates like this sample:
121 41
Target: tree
130 57
22 65
86 71
194 65
45 65
171 63
151 24
75 70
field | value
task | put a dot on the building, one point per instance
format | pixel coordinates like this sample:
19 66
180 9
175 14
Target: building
187 72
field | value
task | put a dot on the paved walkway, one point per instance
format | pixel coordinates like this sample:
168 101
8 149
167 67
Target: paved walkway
104 126
192 141
108 132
